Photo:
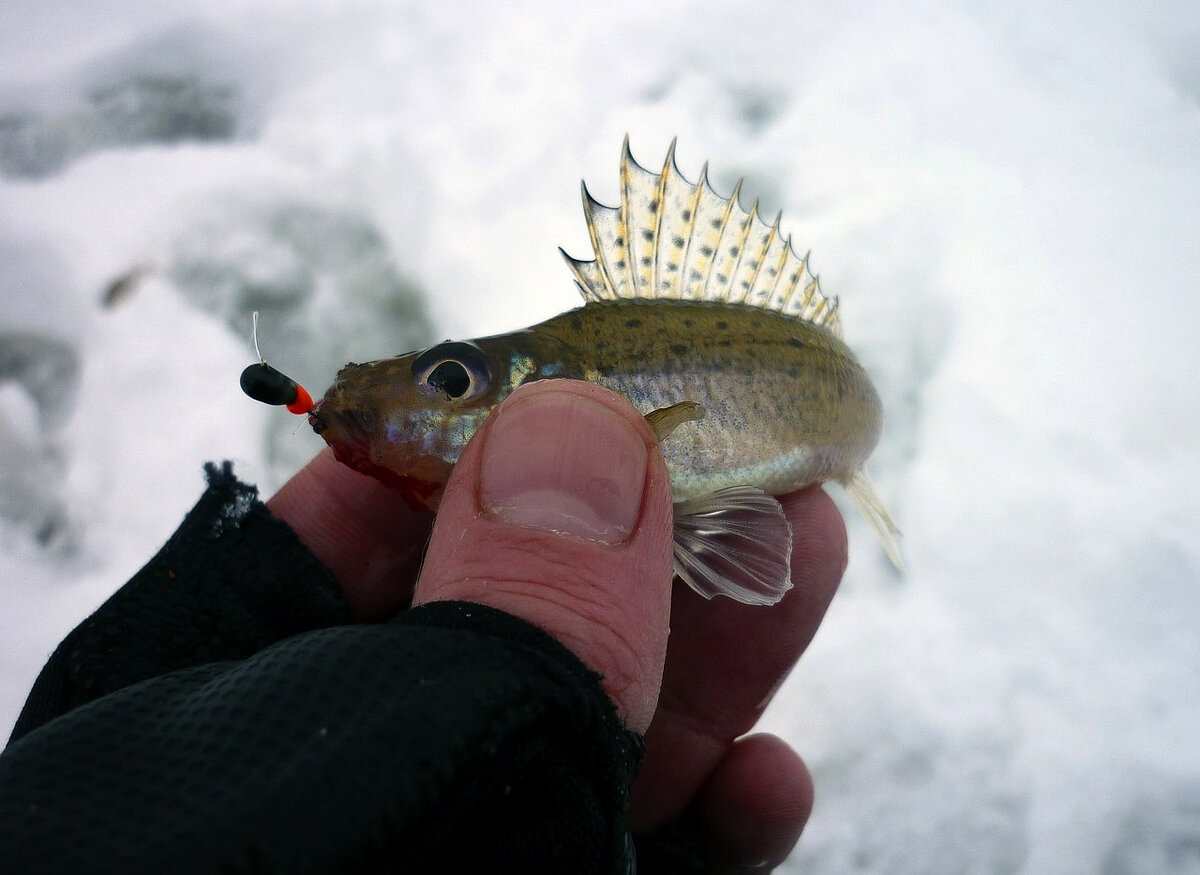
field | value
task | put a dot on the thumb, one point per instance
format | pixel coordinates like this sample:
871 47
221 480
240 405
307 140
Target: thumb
559 512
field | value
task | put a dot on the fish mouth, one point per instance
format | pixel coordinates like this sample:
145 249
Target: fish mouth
344 432
315 421
341 427
349 431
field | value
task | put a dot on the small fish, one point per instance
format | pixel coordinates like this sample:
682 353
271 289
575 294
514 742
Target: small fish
704 317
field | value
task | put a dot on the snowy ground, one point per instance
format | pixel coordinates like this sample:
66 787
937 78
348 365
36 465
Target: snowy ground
1006 199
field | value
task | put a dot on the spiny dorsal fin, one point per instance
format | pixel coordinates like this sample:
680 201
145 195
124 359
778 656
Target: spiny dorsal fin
678 240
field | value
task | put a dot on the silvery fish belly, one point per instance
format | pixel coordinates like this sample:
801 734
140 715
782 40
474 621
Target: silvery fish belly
708 322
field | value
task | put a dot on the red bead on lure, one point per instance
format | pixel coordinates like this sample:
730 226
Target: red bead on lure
264 383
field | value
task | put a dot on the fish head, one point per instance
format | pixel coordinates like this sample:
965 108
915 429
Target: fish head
405 420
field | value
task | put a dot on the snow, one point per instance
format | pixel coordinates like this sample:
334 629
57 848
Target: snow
1006 198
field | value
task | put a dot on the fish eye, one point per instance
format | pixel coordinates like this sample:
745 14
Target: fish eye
451 377
456 368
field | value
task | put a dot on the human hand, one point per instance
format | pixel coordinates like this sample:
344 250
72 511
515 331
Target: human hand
571 457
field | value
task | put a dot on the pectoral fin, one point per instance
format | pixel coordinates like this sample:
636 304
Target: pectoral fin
735 542
665 420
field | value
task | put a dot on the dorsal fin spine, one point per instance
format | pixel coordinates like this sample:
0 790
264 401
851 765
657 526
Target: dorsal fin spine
793 284
706 290
809 291
760 257
660 207
628 228
623 225
742 288
721 292
775 270
684 284
585 286
736 249
590 205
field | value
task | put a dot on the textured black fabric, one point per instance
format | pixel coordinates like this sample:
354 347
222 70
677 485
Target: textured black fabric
231 580
221 714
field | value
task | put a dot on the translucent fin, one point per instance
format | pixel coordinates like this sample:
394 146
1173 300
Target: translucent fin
862 491
610 237
642 204
666 419
678 240
735 542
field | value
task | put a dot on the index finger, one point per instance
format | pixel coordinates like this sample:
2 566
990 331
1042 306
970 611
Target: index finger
363 531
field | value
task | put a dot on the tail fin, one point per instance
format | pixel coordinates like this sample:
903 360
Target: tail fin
862 492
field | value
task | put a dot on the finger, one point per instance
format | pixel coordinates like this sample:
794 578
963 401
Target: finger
726 660
754 805
559 512
360 529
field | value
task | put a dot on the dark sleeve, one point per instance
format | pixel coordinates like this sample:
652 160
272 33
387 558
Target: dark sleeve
221 713
230 581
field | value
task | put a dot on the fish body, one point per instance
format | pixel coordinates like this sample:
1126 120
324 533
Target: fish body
721 316
785 402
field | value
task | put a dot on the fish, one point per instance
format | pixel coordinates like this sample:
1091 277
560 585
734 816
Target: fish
706 318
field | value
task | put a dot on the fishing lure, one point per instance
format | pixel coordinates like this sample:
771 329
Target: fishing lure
705 318
264 383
